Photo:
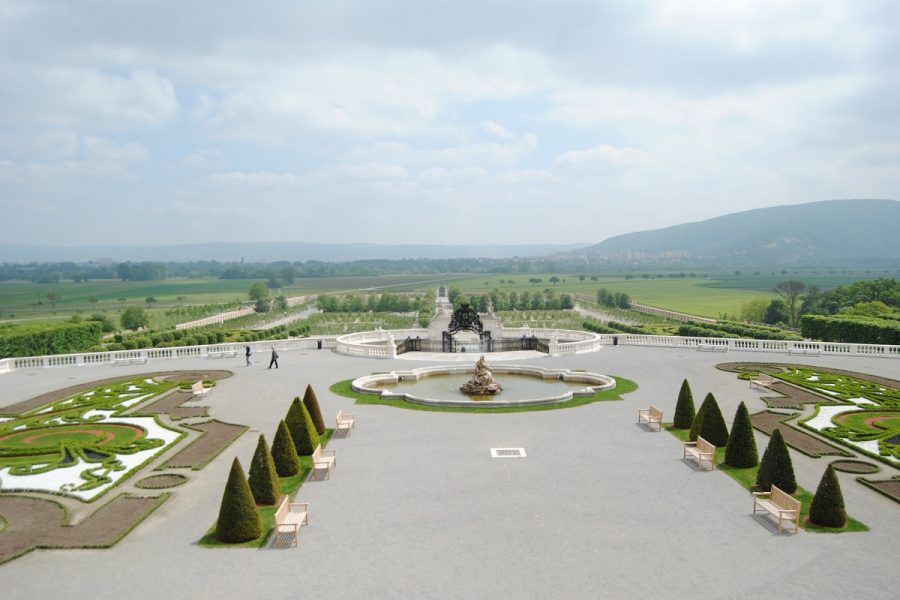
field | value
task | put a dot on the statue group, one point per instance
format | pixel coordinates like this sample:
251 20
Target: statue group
482 382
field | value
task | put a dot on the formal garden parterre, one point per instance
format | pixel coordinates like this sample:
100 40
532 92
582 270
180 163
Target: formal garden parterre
68 448
852 411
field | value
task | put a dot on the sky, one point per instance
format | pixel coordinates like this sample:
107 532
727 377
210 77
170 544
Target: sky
158 122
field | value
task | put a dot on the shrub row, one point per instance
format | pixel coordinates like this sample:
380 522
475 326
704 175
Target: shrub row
697 331
637 329
37 340
744 330
171 339
597 328
859 330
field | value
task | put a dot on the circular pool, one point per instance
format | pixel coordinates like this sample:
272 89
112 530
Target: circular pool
522 386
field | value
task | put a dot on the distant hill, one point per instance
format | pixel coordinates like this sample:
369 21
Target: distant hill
834 232
268 252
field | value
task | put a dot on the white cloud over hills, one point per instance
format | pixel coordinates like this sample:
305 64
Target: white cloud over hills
164 122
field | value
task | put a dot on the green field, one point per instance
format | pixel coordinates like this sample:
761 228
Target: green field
692 296
29 301
714 296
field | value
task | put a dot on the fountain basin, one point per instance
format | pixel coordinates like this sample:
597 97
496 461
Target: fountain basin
522 386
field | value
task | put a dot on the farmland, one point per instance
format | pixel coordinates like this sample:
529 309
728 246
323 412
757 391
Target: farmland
693 296
714 296
25 301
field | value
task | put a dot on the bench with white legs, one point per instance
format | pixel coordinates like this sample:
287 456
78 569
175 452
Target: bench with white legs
289 517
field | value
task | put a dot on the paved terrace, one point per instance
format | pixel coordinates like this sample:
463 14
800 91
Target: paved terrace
416 508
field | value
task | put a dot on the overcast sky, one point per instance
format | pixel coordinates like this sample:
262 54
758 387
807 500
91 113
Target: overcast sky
425 122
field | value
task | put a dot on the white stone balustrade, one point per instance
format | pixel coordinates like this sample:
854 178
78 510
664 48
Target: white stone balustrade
374 344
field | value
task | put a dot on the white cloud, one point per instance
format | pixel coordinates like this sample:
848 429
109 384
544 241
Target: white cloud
498 130
256 179
44 145
361 92
749 24
203 159
108 150
634 114
602 159
74 97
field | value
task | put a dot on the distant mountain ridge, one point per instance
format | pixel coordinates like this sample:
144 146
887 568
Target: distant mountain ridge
269 251
832 232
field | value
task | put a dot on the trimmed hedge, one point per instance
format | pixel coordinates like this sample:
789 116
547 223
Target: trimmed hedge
264 482
239 518
697 423
827 508
696 331
715 432
851 329
776 467
312 406
597 328
684 409
626 328
284 453
302 429
713 428
741 450
38 340
746 330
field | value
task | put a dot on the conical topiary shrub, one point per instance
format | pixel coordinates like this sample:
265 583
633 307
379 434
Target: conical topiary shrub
827 508
741 449
697 423
312 406
303 432
284 453
239 518
264 482
713 428
776 467
684 409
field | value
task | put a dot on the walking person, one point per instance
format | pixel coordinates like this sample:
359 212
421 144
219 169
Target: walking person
248 353
274 360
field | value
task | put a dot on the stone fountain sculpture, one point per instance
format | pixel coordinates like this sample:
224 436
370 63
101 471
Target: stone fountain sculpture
482 382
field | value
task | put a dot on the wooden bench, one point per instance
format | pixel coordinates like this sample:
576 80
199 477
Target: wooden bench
345 422
650 416
198 389
138 360
700 450
780 504
323 461
762 381
289 517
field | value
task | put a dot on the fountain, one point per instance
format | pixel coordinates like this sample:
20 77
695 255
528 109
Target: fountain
522 385
482 382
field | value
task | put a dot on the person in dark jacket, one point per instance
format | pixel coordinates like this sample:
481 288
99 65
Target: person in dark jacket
274 360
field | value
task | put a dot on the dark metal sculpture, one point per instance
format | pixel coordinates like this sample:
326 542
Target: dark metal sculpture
465 318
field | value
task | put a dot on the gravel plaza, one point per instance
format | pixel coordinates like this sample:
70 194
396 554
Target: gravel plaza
418 508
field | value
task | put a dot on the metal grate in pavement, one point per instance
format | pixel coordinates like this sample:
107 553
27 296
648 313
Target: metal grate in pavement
508 453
